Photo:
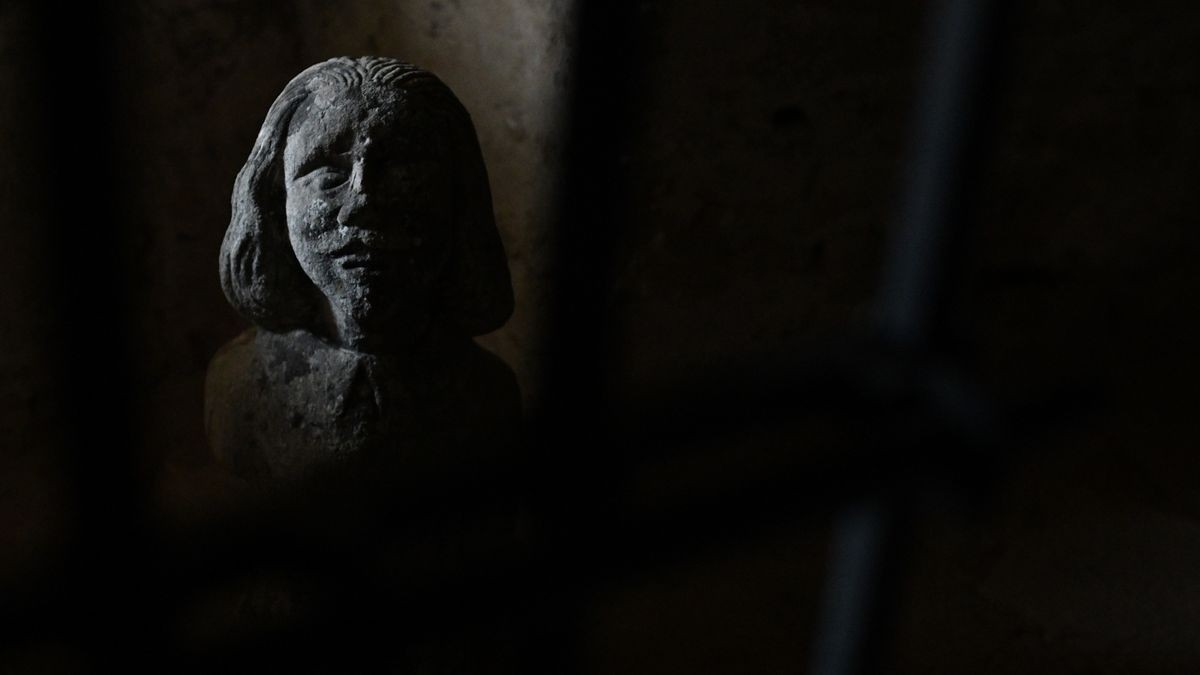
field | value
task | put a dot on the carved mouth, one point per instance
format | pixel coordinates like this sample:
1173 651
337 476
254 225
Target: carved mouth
355 255
365 263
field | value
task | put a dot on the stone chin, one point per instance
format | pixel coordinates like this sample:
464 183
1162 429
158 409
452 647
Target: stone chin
379 314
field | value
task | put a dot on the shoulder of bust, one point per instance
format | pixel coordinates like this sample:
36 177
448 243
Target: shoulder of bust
493 385
495 369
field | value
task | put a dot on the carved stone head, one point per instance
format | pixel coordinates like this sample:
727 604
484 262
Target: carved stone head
363 247
363 214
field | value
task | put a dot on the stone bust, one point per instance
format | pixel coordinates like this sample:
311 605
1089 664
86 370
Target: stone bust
363 248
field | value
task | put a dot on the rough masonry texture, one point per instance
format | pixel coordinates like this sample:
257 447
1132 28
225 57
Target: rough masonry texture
363 248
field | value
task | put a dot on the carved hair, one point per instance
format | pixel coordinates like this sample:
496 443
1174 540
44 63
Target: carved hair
259 271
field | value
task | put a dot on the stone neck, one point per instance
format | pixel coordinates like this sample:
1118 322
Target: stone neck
392 338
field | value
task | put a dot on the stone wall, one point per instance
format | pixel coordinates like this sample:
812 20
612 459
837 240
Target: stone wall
767 160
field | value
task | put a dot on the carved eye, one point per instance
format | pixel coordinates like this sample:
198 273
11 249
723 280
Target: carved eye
328 177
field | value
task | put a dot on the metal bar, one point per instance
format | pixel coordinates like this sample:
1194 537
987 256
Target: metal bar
959 73
859 564
953 107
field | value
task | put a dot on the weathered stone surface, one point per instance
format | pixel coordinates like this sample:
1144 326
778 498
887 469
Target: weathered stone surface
362 245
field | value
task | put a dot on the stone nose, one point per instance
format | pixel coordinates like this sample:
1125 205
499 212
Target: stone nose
357 195
358 176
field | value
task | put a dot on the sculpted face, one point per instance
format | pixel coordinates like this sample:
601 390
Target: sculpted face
369 206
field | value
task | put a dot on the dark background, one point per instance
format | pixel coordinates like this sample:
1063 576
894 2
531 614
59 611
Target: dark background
767 155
